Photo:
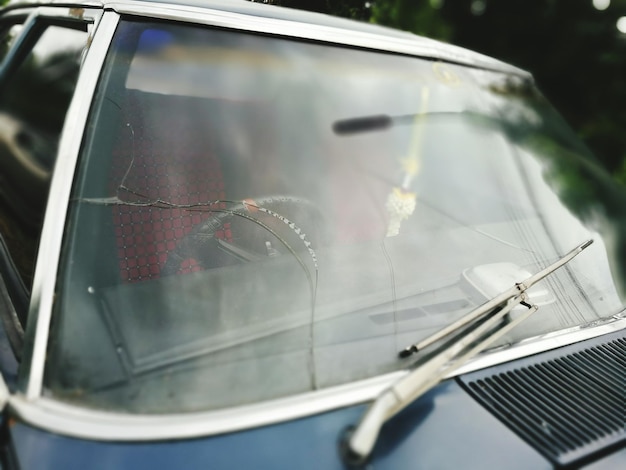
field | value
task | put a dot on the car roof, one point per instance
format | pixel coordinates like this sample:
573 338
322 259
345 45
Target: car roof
378 37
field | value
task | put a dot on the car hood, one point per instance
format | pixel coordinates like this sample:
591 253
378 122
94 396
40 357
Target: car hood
449 427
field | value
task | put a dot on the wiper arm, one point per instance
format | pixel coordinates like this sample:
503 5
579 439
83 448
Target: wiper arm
361 441
495 302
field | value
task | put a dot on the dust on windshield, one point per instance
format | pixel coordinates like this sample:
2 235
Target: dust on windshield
247 251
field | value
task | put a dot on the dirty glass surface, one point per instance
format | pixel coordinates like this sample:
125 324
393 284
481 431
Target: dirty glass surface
256 217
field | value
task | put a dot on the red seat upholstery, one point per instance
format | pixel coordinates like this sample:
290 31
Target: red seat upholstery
164 154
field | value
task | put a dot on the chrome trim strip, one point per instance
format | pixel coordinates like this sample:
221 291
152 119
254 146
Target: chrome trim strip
54 223
418 47
79 422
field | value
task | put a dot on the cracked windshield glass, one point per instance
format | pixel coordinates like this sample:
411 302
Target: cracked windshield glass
256 217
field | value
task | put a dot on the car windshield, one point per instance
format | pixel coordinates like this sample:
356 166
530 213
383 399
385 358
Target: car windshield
256 217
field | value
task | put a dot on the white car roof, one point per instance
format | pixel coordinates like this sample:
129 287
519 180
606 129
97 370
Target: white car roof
329 28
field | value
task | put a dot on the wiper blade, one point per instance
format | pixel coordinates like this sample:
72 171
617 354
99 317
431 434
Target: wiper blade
362 124
378 122
361 441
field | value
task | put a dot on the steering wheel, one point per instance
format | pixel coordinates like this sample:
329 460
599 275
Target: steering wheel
252 230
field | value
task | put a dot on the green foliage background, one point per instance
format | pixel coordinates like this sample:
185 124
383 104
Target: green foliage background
574 50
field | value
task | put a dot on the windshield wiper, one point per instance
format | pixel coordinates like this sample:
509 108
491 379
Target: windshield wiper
360 441
379 122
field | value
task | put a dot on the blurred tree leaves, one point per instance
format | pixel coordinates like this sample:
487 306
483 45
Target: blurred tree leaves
420 18
574 50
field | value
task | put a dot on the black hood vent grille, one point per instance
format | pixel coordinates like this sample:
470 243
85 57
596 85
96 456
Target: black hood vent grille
568 406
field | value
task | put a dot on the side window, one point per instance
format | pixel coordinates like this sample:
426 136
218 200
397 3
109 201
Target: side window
37 79
10 28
